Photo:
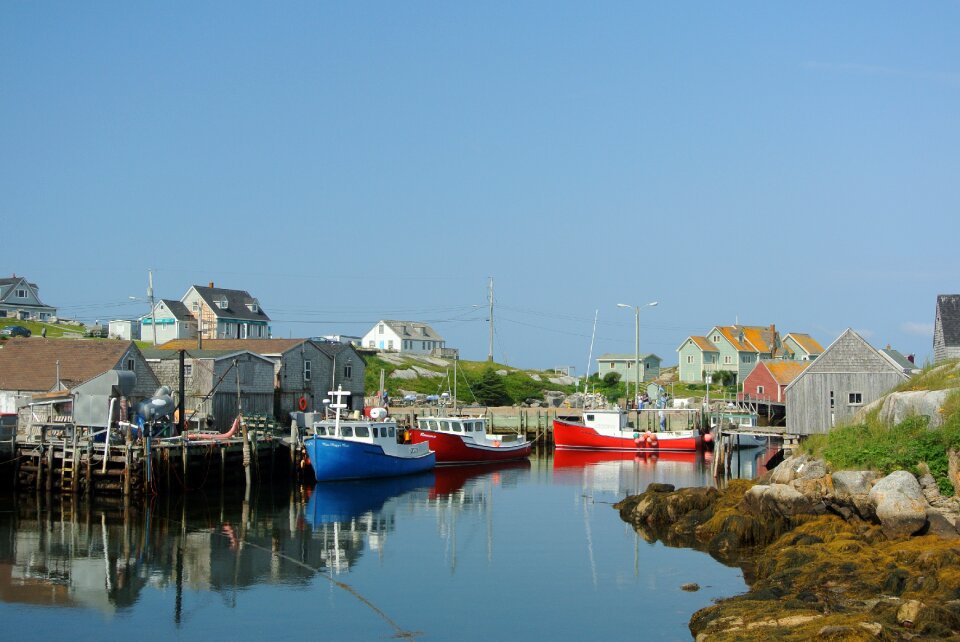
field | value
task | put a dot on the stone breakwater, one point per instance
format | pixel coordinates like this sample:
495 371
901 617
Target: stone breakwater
828 555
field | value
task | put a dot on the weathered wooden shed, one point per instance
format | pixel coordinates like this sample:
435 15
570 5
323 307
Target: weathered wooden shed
847 376
946 328
211 383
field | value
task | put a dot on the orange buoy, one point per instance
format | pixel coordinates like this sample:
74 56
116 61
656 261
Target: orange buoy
302 404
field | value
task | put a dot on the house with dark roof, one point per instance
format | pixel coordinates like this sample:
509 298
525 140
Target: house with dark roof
173 321
404 336
624 364
904 361
849 375
946 328
213 379
30 366
303 369
226 314
20 299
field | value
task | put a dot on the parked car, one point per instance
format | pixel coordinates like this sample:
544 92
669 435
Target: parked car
15 331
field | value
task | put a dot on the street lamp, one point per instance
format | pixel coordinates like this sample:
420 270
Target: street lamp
636 362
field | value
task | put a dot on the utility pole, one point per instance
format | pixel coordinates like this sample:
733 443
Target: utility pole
153 307
490 300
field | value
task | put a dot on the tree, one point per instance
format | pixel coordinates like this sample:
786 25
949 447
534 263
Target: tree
490 389
611 379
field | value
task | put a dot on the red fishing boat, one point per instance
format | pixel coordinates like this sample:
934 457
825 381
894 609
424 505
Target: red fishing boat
464 440
609 430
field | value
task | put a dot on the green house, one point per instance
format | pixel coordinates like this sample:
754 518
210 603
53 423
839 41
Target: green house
623 364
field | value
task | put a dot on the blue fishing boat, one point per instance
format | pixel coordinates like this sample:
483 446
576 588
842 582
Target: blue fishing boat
362 449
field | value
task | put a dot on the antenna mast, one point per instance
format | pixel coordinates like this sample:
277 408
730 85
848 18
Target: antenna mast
490 299
586 376
153 307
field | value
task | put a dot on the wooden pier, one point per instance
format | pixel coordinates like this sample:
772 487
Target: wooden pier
62 459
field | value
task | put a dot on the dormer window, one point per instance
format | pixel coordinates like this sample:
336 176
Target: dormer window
221 302
253 306
423 332
21 293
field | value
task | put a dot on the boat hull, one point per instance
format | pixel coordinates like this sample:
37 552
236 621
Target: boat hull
567 434
450 448
337 459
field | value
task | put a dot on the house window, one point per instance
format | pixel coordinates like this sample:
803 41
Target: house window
371 343
629 365
244 330
689 358
745 358
131 364
856 398
380 329
727 359
612 365
348 371
222 303
253 306
759 390
188 370
390 344
21 294
196 306
716 338
307 370
831 399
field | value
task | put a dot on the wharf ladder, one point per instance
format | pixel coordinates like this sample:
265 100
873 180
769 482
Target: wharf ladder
68 468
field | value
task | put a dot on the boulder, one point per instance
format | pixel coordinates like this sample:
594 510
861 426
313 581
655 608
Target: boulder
776 499
852 488
908 613
798 467
941 524
553 398
535 377
898 406
899 504
562 381
424 372
403 374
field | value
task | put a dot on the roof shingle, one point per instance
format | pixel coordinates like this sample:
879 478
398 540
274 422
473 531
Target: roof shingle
31 364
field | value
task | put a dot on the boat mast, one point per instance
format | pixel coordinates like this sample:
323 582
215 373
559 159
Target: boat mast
596 313
490 298
456 360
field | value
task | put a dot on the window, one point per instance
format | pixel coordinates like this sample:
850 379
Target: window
307 370
348 371
221 302
131 364
856 398
371 343
244 330
445 426
188 370
831 399
363 431
321 430
253 306
716 338
380 329
759 390
346 431
745 358
456 426
21 294
629 364
390 344
376 431
423 424
727 359
689 358
393 432
590 417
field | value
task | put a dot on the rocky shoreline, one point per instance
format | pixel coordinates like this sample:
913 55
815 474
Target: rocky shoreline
827 555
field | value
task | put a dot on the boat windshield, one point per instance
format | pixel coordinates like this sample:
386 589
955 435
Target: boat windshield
457 427
376 431
346 431
468 426
321 430
393 432
363 431
445 426
424 424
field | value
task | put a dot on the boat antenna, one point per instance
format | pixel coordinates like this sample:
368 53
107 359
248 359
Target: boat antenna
456 358
338 394
586 375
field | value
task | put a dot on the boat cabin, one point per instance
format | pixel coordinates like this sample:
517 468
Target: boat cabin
357 431
606 419
468 426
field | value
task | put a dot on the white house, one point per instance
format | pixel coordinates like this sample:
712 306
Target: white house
124 329
174 321
21 299
403 336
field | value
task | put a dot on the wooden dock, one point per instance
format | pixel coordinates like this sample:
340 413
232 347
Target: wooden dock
62 459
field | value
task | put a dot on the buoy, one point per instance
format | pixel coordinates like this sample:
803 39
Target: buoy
302 404
707 438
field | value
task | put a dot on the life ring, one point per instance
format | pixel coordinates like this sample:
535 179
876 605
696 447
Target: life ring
496 444
302 404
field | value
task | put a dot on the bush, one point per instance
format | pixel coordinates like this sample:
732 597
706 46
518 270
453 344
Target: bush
611 379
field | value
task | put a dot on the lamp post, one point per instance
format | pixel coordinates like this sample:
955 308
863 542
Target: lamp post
636 361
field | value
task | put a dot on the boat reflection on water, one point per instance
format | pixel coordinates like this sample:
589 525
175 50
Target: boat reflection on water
451 480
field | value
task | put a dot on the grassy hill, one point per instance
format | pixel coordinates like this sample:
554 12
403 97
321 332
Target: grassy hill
870 444
435 376
54 330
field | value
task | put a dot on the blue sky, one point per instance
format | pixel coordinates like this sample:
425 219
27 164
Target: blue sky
346 162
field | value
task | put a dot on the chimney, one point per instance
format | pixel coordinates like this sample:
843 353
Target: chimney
911 358
888 346
211 284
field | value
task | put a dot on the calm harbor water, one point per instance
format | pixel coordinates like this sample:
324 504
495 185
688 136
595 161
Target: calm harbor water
521 551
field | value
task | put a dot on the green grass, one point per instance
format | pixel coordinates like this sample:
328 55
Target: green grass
520 385
940 377
54 330
872 445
